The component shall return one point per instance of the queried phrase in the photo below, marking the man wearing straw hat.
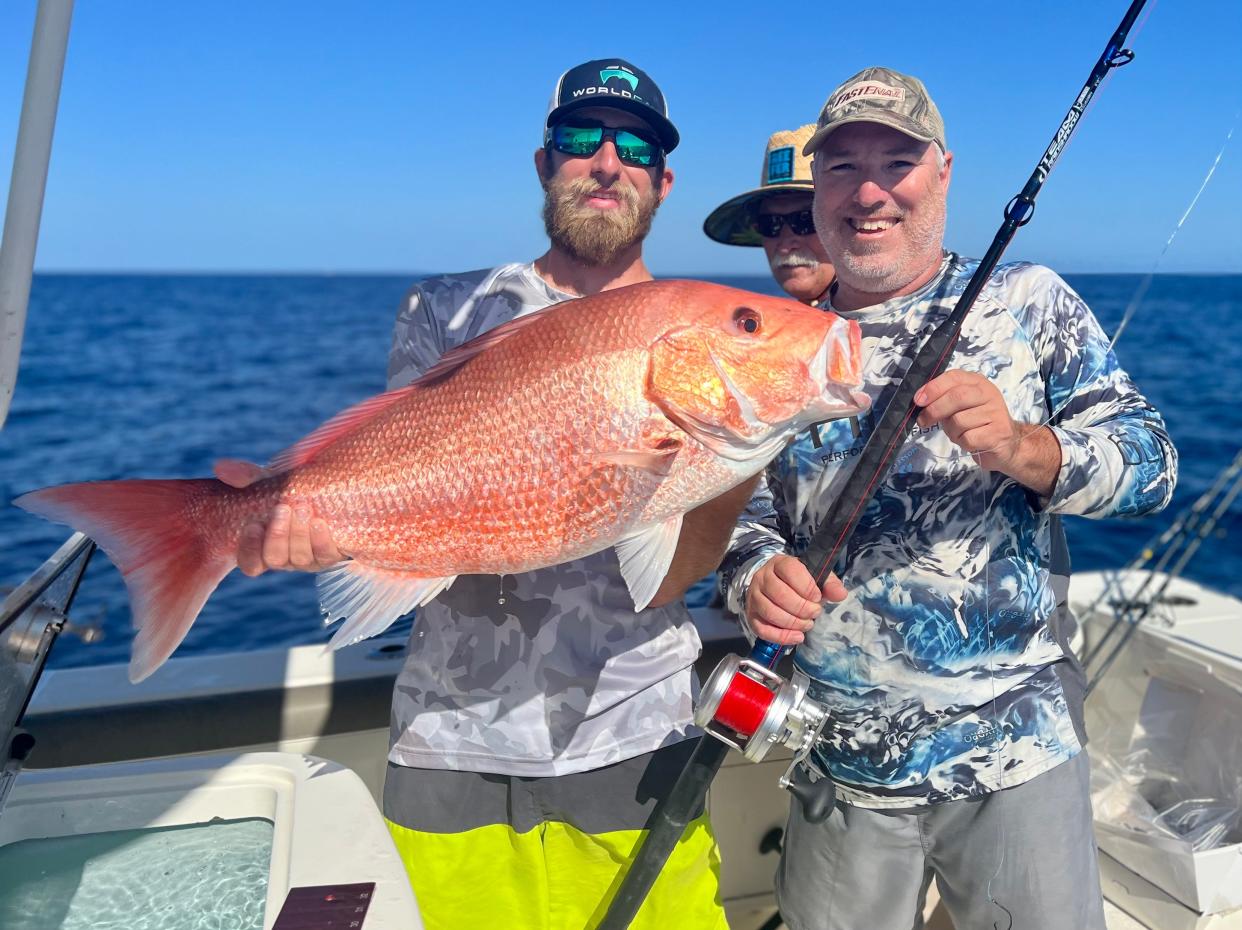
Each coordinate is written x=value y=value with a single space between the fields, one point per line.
x=777 y=216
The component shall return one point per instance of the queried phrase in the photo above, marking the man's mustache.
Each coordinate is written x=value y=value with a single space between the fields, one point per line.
x=798 y=258
x=585 y=187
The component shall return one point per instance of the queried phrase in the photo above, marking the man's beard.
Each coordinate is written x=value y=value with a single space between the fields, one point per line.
x=590 y=236
x=864 y=271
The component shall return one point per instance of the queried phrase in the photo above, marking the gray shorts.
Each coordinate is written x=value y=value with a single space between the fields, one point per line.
x=1019 y=859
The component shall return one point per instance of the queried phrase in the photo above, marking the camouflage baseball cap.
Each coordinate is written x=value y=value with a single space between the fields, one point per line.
x=880 y=95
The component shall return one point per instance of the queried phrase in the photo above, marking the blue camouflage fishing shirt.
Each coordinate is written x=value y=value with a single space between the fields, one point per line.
x=943 y=669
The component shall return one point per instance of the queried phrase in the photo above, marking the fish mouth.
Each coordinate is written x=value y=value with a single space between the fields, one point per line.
x=839 y=393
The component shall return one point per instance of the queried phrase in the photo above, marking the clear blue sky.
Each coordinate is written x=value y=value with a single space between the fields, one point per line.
x=397 y=136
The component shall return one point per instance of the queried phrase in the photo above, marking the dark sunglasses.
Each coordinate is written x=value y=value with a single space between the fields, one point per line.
x=801 y=223
x=583 y=137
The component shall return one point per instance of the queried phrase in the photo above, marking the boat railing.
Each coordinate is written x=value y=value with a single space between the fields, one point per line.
x=32 y=616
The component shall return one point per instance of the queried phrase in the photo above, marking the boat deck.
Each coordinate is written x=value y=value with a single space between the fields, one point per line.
x=336 y=706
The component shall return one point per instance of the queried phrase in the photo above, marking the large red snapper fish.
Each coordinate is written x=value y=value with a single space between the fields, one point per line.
x=597 y=422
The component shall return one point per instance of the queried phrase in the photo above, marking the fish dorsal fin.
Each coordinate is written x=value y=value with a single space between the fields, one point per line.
x=343 y=423
x=457 y=356
x=349 y=420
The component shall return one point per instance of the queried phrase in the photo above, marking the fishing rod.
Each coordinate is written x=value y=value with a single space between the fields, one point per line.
x=1166 y=543
x=1133 y=612
x=746 y=705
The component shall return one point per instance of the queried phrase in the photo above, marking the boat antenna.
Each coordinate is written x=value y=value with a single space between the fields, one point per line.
x=671 y=817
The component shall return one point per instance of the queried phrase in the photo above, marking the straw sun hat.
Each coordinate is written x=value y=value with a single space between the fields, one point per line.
x=785 y=170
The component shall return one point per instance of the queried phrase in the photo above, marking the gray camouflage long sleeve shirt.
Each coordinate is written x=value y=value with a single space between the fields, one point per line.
x=544 y=673
x=943 y=669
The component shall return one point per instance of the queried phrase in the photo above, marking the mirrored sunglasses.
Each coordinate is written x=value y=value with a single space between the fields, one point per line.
x=582 y=138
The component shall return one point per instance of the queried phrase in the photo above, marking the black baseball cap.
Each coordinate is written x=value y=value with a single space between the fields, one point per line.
x=612 y=82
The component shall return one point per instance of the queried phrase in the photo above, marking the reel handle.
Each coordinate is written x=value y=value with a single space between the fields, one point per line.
x=817 y=798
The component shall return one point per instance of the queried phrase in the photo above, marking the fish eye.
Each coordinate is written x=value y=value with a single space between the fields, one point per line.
x=746 y=320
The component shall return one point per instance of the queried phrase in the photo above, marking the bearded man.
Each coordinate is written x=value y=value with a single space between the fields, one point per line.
x=538 y=718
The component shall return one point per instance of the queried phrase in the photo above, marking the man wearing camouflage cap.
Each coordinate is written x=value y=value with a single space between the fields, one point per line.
x=777 y=216
x=955 y=703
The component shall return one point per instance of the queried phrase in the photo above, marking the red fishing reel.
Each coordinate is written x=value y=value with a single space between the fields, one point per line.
x=751 y=708
x=746 y=705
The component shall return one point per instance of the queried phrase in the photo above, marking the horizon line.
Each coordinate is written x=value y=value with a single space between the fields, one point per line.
x=416 y=275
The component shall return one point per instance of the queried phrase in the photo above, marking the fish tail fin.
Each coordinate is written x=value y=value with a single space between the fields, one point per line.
x=154 y=533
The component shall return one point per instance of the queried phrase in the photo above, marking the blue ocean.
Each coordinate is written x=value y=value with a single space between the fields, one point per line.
x=158 y=375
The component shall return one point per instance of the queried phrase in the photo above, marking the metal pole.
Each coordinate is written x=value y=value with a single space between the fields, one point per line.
x=30 y=160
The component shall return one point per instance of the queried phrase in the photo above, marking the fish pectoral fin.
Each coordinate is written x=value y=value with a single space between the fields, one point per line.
x=657 y=461
x=645 y=558
x=371 y=598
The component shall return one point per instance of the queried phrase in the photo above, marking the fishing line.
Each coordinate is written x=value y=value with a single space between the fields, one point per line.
x=1141 y=291
x=1136 y=300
